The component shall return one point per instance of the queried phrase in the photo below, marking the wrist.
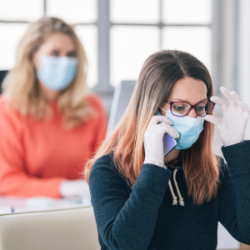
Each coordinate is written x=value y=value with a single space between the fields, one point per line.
x=155 y=162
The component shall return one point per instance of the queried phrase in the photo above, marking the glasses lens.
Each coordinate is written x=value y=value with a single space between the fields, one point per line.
x=204 y=108
x=180 y=108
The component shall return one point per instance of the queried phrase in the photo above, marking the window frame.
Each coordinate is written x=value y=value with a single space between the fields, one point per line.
x=103 y=24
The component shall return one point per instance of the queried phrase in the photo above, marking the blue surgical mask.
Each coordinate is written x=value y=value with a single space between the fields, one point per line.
x=56 y=73
x=188 y=128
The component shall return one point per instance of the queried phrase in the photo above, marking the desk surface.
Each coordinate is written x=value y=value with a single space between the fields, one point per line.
x=13 y=204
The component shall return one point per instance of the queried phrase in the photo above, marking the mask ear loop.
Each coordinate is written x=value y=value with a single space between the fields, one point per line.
x=34 y=68
x=163 y=109
x=32 y=61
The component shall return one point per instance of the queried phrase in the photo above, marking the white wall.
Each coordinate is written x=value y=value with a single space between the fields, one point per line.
x=244 y=54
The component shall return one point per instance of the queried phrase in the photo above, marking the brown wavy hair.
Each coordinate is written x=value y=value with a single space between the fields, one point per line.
x=158 y=75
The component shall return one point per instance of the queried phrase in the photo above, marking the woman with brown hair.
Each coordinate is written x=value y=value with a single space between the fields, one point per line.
x=143 y=200
x=49 y=125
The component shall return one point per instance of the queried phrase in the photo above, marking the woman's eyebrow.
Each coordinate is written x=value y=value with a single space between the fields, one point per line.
x=187 y=101
x=72 y=53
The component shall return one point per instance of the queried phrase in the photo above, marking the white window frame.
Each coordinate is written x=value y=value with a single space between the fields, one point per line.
x=223 y=63
x=103 y=87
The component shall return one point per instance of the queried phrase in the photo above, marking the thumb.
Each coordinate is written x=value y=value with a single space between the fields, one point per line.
x=213 y=119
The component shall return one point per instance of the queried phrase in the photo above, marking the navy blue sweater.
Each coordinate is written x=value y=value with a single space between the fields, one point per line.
x=143 y=217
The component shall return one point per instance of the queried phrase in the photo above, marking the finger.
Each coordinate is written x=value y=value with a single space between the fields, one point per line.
x=213 y=119
x=160 y=119
x=235 y=96
x=164 y=128
x=239 y=106
x=233 y=103
x=244 y=107
x=230 y=99
x=223 y=104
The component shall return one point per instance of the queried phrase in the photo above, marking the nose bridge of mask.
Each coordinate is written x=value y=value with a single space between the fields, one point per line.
x=62 y=61
x=185 y=119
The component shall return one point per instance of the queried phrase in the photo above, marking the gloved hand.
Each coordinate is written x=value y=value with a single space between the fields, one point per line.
x=76 y=188
x=231 y=127
x=153 y=139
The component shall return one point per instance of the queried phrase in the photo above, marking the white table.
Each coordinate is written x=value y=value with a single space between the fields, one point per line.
x=14 y=204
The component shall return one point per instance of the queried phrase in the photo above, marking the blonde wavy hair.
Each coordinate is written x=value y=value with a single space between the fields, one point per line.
x=21 y=88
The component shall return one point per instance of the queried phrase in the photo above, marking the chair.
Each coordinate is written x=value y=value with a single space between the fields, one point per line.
x=63 y=229
x=3 y=73
x=122 y=95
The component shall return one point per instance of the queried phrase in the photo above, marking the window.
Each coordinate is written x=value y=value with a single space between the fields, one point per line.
x=15 y=16
x=141 y=27
x=118 y=35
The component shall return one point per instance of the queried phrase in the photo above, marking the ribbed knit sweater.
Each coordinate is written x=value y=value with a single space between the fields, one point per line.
x=142 y=216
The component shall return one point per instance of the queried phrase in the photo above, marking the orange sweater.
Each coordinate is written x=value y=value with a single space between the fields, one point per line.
x=36 y=156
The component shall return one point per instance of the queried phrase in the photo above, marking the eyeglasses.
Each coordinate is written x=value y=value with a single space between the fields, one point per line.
x=181 y=109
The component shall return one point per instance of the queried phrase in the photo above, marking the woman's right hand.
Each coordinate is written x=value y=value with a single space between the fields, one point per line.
x=153 y=139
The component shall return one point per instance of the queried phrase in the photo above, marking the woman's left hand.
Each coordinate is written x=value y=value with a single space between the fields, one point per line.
x=231 y=127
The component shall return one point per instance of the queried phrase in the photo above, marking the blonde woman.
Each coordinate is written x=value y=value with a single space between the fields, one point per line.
x=49 y=125
x=143 y=200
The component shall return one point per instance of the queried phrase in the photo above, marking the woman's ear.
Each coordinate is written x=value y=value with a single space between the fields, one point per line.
x=35 y=61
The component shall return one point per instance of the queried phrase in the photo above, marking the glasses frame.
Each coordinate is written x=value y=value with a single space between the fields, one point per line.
x=191 y=107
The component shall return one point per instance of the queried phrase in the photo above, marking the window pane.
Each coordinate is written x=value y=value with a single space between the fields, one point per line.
x=73 y=11
x=130 y=46
x=134 y=11
x=88 y=37
x=183 y=11
x=194 y=40
x=29 y=10
x=10 y=35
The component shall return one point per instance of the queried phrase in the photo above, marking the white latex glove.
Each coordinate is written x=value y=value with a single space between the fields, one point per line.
x=153 y=139
x=76 y=188
x=231 y=127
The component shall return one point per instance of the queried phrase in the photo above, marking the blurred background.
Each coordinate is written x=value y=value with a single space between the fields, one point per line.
x=119 y=35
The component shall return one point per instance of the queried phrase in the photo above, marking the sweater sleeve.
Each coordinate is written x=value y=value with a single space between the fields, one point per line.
x=235 y=195
x=14 y=180
x=127 y=221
